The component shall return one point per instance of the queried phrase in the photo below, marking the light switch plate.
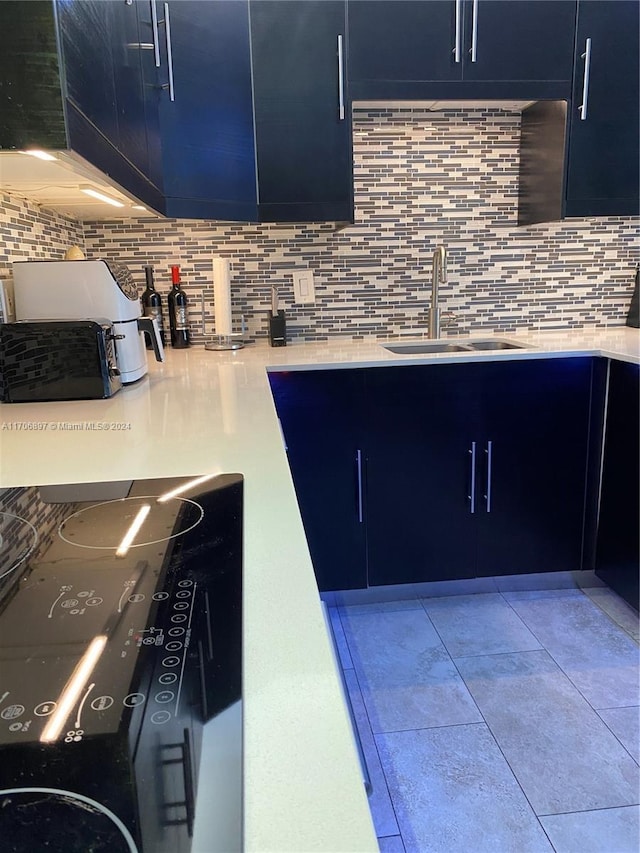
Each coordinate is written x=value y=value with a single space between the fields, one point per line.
x=303 y=286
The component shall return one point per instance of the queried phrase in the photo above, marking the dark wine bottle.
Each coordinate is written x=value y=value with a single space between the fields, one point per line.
x=152 y=305
x=180 y=337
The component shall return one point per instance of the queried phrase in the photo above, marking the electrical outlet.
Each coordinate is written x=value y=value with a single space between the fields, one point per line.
x=303 y=286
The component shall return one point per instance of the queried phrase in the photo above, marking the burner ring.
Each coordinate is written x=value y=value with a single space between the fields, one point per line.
x=152 y=499
x=4 y=543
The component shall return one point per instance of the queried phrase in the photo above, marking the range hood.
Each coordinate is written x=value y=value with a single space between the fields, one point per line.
x=63 y=184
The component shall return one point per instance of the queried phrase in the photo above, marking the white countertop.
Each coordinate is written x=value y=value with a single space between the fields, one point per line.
x=205 y=411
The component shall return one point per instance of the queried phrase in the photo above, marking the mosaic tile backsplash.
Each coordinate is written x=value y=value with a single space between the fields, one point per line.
x=421 y=179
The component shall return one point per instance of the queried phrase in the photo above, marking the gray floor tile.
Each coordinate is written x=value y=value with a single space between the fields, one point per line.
x=391 y=844
x=603 y=831
x=559 y=749
x=341 y=640
x=407 y=678
x=599 y=658
x=625 y=724
x=381 y=606
x=453 y=791
x=479 y=624
x=384 y=818
x=617 y=608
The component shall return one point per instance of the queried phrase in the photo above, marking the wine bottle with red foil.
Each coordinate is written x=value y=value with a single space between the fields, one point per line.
x=152 y=305
x=180 y=337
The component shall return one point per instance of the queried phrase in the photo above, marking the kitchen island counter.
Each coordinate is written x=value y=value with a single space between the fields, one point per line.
x=201 y=412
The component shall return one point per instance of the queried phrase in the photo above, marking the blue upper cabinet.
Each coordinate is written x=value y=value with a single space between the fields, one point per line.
x=302 y=123
x=205 y=108
x=604 y=150
x=411 y=49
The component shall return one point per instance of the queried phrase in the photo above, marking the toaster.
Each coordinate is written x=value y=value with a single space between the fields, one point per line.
x=57 y=360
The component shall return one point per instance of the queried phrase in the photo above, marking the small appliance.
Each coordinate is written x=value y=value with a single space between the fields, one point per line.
x=120 y=636
x=57 y=360
x=81 y=290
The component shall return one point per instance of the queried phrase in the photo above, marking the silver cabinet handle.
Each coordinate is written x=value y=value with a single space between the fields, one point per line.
x=489 y=454
x=456 y=50
x=585 y=81
x=340 y=79
x=154 y=30
x=474 y=31
x=167 y=31
x=359 y=468
x=472 y=496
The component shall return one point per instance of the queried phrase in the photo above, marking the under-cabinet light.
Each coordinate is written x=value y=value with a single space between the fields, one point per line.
x=138 y=207
x=41 y=155
x=101 y=197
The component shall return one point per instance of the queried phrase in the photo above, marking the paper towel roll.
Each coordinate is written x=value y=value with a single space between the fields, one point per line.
x=222 y=295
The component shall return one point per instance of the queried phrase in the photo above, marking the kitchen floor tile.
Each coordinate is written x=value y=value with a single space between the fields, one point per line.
x=617 y=608
x=602 y=831
x=625 y=724
x=407 y=678
x=391 y=844
x=453 y=791
x=384 y=818
x=382 y=606
x=599 y=658
x=559 y=749
x=479 y=624
x=341 y=641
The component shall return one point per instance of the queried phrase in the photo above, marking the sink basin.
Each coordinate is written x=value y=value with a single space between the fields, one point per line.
x=416 y=349
x=479 y=345
x=467 y=345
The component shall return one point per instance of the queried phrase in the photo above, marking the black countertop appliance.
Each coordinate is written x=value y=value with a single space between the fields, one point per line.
x=120 y=635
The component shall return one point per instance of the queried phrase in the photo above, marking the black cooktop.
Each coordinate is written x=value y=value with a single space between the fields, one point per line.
x=120 y=609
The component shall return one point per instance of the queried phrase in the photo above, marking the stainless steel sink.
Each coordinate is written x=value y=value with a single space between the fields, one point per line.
x=480 y=345
x=466 y=345
x=418 y=348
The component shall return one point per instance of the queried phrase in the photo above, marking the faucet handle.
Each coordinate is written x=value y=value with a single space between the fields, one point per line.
x=449 y=318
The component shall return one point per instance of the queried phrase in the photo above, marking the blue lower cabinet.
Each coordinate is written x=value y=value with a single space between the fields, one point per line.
x=532 y=465
x=421 y=518
x=618 y=539
x=320 y=413
x=439 y=472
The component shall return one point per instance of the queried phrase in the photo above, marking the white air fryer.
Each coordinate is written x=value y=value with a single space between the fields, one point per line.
x=84 y=290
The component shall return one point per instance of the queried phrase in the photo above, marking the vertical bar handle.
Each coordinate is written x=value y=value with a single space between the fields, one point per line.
x=474 y=32
x=167 y=30
x=457 y=48
x=489 y=454
x=585 y=80
x=359 y=469
x=154 y=30
x=341 y=112
x=472 y=496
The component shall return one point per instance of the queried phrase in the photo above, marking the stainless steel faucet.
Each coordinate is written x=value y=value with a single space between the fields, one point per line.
x=438 y=274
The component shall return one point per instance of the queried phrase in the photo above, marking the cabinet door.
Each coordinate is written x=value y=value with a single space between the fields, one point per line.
x=618 y=548
x=604 y=150
x=532 y=465
x=302 y=136
x=519 y=40
x=85 y=32
x=127 y=50
x=394 y=40
x=207 y=129
x=319 y=411
x=421 y=425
